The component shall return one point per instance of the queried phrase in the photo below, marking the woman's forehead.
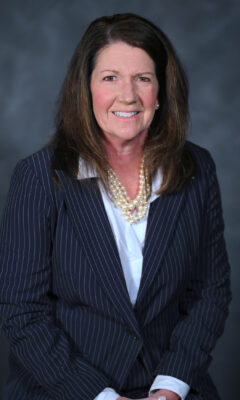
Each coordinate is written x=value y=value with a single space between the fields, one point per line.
x=122 y=55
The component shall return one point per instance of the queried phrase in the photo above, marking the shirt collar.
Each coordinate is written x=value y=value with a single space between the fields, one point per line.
x=85 y=172
x=156 y=183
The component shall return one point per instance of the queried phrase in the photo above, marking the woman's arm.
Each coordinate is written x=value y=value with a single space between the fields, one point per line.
x=204 y=306
x=25 y=307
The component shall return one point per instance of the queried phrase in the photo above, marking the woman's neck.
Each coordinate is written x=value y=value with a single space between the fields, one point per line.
x=124 y=153
x=125 y=159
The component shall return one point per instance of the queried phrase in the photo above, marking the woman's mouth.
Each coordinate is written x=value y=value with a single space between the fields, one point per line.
x=125 y=114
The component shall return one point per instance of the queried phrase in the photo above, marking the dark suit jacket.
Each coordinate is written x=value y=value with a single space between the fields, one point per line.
x=64 y=303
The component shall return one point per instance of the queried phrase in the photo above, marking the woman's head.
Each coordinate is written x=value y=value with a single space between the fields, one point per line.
x=124 y=91
x=77 y=127
x=129 y=28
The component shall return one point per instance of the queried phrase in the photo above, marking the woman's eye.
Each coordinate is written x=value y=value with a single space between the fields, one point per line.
x=109 y=78
x=144 y=79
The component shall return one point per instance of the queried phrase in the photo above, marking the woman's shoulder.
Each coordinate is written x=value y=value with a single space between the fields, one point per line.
x=36 y=168
x=202 y=157
x=40 y=160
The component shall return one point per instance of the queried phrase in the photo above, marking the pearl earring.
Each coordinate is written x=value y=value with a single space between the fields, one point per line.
x=157 y=106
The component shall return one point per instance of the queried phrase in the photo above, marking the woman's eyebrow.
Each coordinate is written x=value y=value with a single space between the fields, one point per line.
x=145 y=73
x=117 y=72
x=110 y=70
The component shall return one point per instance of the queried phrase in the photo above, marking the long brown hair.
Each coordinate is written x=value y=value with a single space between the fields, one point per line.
x=77 y=132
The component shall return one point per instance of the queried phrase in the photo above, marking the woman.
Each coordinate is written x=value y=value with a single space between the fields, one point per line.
x=114 y=273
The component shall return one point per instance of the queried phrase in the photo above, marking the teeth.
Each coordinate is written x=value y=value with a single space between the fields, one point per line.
x=125 y=114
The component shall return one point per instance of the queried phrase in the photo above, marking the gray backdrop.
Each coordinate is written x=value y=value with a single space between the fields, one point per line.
x=37 y=40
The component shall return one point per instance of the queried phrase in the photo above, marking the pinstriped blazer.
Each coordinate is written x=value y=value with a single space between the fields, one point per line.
x=64 y=303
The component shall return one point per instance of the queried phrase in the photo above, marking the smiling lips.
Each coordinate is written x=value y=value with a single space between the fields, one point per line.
x=125 y=114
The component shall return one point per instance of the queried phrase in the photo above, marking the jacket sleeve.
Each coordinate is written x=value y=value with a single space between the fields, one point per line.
x=26 y=310
x=204 y=305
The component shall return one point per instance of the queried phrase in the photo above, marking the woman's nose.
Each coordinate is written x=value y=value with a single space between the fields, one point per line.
x=128 y=93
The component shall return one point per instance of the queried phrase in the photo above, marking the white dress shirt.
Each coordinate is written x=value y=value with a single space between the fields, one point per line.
x=130 y=241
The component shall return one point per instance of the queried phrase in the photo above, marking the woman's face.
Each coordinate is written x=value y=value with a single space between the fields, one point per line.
x=124 y=90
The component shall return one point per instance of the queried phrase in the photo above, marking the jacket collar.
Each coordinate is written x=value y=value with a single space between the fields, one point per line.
x=89 y=219
x=162 y=222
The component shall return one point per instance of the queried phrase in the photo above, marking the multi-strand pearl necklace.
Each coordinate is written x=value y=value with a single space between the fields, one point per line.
x=132 y=210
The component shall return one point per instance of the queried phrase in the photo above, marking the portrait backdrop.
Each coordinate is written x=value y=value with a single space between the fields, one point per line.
x=37 y=41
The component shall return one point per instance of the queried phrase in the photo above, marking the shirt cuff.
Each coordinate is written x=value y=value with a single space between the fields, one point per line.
x=170 y=383
x=107 y=394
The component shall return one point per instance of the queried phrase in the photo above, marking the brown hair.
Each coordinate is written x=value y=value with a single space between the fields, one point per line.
x=77 y=132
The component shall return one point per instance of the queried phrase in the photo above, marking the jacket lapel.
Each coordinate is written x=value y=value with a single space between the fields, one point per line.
x=87 y=213
x=162 y=221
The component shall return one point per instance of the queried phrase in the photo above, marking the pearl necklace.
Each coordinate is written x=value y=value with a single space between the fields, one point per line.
x=132 y=210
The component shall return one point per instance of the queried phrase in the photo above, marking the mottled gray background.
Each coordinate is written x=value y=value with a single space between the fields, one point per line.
x=37 y=40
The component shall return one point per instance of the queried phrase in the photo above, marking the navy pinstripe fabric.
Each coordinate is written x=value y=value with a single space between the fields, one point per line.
x=64 y=303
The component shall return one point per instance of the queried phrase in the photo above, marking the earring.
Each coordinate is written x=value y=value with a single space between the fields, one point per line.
x=157 y=106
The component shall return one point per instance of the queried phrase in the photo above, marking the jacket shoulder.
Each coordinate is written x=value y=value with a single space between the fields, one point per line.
x=203 y=159
x=40 y=161
x=38 y=166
